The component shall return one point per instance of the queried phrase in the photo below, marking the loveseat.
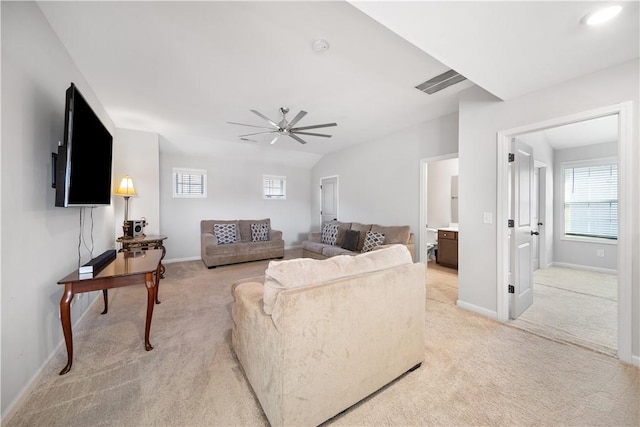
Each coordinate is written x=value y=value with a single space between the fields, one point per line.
x=315 y=336
x=232 y=241
x=351 y=238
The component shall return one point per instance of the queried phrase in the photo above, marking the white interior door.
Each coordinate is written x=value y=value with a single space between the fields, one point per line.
x=328 y=199
x=521 y=251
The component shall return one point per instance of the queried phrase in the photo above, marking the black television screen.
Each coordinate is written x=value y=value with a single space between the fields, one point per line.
x=83 y=166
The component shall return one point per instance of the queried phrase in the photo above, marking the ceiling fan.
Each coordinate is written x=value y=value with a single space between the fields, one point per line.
x=284 y=127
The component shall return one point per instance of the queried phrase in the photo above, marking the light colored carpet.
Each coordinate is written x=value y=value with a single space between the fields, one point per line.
x=575 y=306
x=476 y=371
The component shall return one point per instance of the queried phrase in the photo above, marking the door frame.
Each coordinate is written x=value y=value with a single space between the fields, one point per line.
x=337 y=196
x=625 y=200
x=542 y=213
x=424 y=168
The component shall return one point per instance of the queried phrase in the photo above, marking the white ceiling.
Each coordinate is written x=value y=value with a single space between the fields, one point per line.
x=183 y=69
x=594 y=131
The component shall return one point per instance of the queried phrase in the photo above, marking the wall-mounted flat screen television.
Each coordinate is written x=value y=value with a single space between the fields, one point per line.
x=83 y=165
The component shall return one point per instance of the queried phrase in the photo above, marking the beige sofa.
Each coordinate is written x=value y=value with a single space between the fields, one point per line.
x=314 y=247
x=316 y=336
x=215 y=253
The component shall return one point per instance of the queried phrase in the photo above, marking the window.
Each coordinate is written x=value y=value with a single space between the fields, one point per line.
x=274 y=187
x=591 y=199
x=189 y=183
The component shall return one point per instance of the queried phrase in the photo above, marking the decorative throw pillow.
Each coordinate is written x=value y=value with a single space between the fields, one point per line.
x=330 y=233
x=372 y=240
x=351 y=240
x=225 y=233
x=259 y=232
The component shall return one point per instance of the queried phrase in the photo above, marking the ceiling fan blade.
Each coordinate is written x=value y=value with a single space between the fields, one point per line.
x=259 y=114
x=244 y=124
x=312 y=134
x=325 y=125
x=275 y=138
x=248 y=140
x=297 y=118
x=300 y=140
x=257 y=133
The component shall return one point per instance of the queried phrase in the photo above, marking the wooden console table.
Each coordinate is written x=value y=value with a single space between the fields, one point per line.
x=128 y=268
x=144 y=242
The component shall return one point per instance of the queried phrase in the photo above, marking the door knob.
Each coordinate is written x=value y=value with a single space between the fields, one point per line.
x=534 y=233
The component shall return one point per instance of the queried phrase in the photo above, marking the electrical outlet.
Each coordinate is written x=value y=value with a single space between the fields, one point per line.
x=600 y=252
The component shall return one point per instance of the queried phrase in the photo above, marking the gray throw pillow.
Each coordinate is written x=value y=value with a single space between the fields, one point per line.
x=351 y=240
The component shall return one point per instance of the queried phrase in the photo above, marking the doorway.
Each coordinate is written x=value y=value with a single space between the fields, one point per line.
x=328 y=199
x=438 y=200
x=624 y=164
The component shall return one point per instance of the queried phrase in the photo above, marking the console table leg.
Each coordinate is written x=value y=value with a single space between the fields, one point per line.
x=105 y=296
x=157 y=276
x=151 y=296
x=65 y=318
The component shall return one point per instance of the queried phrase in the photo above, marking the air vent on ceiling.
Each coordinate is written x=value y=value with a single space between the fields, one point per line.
x=441 y=81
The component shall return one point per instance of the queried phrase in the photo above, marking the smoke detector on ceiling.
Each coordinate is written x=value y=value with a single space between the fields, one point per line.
x=320 y=45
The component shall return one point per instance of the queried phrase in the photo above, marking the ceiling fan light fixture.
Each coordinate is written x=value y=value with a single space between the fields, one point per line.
x=603 y=15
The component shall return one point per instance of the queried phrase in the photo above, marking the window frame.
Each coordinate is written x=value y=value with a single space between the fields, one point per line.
x=281 y=178
x=188 y=171
x=604 y=161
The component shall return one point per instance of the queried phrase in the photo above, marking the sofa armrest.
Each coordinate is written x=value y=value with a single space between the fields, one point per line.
x=208 y=239
x=315 y=236
x=275 y=234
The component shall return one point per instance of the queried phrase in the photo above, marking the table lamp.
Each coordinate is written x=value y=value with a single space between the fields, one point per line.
x=127 y=190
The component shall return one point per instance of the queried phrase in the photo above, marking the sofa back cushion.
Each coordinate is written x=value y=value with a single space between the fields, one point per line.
x=394 y=234
x=301 y=272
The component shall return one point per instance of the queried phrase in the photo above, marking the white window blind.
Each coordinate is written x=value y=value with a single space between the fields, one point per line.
x=189 y=183
x=591 y=200
x=274 y=187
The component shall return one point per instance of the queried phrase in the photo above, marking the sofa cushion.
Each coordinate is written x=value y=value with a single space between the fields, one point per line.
x=315 y=247
x=351 y=239
x=330 y=233
x=372 y=240
x=362 y=228
x=301 y=272
x=329 y=251
x=394 y=234
x=259 y=232
x=225 y=233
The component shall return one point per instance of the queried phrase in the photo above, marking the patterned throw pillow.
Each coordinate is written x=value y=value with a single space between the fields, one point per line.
x=330 y=233
x=259 y=232
x=372 y=240
x=225 y=233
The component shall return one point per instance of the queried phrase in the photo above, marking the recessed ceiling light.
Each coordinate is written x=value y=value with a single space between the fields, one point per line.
x=603 y=15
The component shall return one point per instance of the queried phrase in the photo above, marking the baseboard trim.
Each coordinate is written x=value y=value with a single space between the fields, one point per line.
x=583 y=267
x=635 y=360
x=477 y=309
x=171 y=261
x=8 y=414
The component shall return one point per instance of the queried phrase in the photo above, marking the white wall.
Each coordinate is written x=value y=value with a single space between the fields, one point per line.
x=39 y=241
x=481 y=117
x=137 y=154
x=379 y=181
x=574 y=253
x=439 y=173
x=234 y=189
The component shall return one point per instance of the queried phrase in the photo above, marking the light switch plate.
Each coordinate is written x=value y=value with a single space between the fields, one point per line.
x=487 y=217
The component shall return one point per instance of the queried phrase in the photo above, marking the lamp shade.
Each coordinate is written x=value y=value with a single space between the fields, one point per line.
x=126 y=187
